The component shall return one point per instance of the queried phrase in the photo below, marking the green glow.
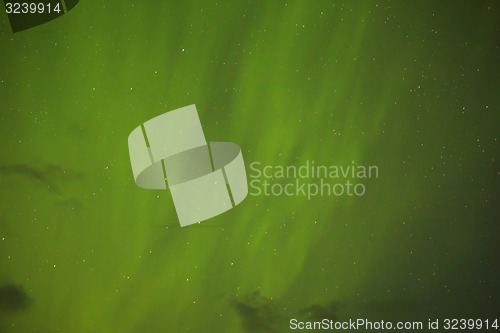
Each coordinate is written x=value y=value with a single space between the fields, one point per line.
x=409 y=87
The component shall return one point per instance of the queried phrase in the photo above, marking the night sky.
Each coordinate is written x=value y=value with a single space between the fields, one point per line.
x=410 y=87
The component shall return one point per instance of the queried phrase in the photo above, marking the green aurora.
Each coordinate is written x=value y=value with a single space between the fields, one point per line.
x=410 y=87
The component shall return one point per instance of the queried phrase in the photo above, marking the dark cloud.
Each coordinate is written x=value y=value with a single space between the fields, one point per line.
x=260 y=314
x=48 y=176
x=257 y=313
x=13 y=298
x=36 y=175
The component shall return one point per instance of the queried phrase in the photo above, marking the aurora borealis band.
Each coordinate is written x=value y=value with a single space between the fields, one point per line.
x=410 y=87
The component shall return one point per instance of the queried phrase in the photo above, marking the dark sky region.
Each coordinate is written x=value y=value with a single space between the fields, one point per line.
x=411 y=87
